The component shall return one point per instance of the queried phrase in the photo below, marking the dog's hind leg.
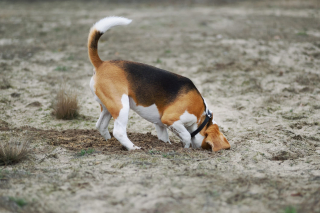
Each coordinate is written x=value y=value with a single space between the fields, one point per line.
x=103 y=122
x=162 y=133
x=120 y=124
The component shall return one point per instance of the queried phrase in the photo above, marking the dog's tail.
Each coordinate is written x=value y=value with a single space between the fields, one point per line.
x=97 y=31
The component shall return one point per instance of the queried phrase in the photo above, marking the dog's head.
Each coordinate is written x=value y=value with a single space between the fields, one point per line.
x=214 y=139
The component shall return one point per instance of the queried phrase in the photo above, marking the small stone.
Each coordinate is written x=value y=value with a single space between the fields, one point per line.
x=15 y=95
x=34 y=104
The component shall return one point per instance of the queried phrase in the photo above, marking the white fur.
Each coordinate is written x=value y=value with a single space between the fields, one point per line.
x=120 y=124
x=205 y=103
x=197 y=141
x=103 y=122
x=149 y=113
x=92 y=86
x=179 y=129
x=213 y=121
x=105 y=116
x=106 y=23
x=93 y=90
x=188 y=119
x=162 y=133
x=183 y=127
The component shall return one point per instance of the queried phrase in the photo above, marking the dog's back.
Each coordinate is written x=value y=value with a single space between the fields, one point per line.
x=151 y=85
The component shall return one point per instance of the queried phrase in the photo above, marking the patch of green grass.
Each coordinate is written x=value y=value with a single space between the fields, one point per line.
x=61 y=68
x=90 y=151
x=164 y=155
x=19 y=201
x=70 y=57
x=153 y=152
x=302 y=33
x=289 y=209
x=84 y=152
x=212 y=193
x=158 y=61
x=294 y=116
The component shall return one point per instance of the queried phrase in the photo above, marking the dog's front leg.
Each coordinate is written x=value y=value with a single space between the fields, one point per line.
x=162 y=133
x=120 y=125
x=103 y=122
x=179 y=129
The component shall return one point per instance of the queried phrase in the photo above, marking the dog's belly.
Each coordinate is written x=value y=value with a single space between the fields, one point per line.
x=149 y=113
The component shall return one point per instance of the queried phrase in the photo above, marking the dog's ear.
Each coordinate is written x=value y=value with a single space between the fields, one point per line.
x=214 y=139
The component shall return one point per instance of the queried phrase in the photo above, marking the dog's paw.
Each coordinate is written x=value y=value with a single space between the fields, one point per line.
x=105 y=134
x=134 y=148
x=187 y=145
x=165 y=140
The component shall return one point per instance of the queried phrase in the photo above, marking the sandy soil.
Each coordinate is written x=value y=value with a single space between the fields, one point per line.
x=256 y=65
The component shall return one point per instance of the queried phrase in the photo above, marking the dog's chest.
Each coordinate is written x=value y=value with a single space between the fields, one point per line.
x=149 y=113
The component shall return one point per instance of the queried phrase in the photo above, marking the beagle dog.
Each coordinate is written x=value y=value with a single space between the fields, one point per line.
x=168 y=100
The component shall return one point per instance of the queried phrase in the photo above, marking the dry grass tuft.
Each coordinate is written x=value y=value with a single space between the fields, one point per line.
x=66 y=105
x=5 y=84
x=13 y=151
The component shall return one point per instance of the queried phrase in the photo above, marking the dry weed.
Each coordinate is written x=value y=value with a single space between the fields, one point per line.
x=5 y=84
x=66 y=105
x=13 y=151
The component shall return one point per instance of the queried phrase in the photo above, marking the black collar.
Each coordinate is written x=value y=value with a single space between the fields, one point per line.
x=208 y=116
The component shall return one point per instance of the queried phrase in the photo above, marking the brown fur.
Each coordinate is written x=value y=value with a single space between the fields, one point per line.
x=192 y=102
x=110 y=84
x=93 y=38
x=214 y=139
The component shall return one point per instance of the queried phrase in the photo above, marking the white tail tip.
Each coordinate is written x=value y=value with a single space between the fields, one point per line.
x=106 y=23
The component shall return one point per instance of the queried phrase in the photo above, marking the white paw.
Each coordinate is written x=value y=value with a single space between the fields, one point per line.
x=106 y=135
x=187 y=145
x=134 y=148
x=168 y=141
x=165 y=140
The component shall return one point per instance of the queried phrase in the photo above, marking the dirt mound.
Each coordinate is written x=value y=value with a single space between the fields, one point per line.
x=78 y=139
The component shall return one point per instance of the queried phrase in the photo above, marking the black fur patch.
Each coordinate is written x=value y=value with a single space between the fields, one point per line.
x=153 y=85
x=95 y=39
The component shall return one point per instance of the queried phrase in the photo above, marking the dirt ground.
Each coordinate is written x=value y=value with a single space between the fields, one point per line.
x=256 y=64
